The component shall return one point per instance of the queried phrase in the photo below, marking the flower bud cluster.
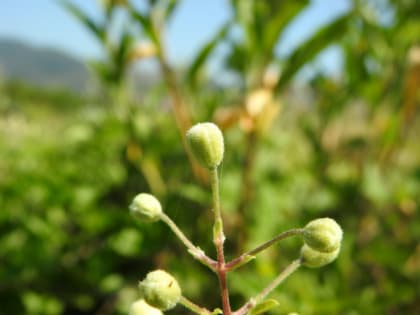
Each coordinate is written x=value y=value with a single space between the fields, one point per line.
x=160 y=291
x=322 y=242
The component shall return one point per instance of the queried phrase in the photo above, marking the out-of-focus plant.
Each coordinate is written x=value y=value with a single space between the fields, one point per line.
x=149 y=44
x=111 y=70
x=363 y=160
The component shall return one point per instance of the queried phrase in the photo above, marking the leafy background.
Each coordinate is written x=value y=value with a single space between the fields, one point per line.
x=345 y=147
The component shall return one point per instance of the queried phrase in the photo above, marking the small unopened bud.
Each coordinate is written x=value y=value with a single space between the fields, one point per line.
x=140 y=307
x=315 y=259
x=160 y=290
x=206 y=143
x=146 y=207
x=323 y=235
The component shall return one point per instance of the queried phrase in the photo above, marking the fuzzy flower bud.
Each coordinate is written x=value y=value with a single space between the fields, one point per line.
x=146 y=207
x=323 y=235
x=206 y=143
x=140 y=307
x=160 y=290
x=315 y=259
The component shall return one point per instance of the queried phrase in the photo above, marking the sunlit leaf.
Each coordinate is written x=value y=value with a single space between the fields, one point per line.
x=171 y=8
x=96 y=29
x=279 y=19
x=312 y=47
x=204 y=54
x=123 y=48
x=145 y=22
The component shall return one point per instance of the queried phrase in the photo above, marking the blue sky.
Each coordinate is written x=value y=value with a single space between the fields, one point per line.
x=45 y=23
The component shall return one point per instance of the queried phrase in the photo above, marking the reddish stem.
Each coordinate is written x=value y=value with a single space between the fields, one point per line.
x=218 y=240
x=222 y=275
x=225 y=293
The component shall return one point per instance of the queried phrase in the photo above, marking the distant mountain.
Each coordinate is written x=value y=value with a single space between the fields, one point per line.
x=45 y=67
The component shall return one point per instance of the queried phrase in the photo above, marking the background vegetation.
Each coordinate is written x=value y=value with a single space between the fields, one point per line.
x=345 y=147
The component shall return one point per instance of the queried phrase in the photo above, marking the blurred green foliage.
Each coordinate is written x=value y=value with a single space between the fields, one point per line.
x=349 y=150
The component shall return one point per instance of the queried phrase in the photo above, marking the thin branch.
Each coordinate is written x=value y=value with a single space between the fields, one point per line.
x=219 y=239
x=239 y=260
x=194 y=307
x=195 y=251
x=292 y=267
x=218 y=235
x=252 y=302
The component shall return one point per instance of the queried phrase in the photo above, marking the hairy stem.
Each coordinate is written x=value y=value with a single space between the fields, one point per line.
x=222 y=275
x=278 y=280
x=239 y=260
x=292 y=267
x=218 y=235
x=194 y=307
x=195 y=251
x=219 y=239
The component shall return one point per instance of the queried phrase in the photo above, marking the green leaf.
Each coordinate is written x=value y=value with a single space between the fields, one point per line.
x=152 y=3
x=264 y=306
x=279 y=21
x=123 y=48
x=108 y=8
x=237 y=59
x=170 y=9
x=96 y=29
x=245 y=14
x=217 y=311
x=204 y=53
x=312 y=47
x=146 y=23
x=103 y=69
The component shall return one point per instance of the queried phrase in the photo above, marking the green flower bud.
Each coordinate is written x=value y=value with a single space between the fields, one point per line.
x=160 y=290
x=206 y=143
x=314 y=259
x=323 y=235
x=140 y=307
x=146 y=207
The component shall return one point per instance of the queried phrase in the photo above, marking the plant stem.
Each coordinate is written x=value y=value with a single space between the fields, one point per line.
x=195 y=251
x=219 y=239
x=194 y=307
x=292 y=267
x=238 y=261
x=222 y=275
x=181 y=113
x=278 y=280
x=218 y=235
